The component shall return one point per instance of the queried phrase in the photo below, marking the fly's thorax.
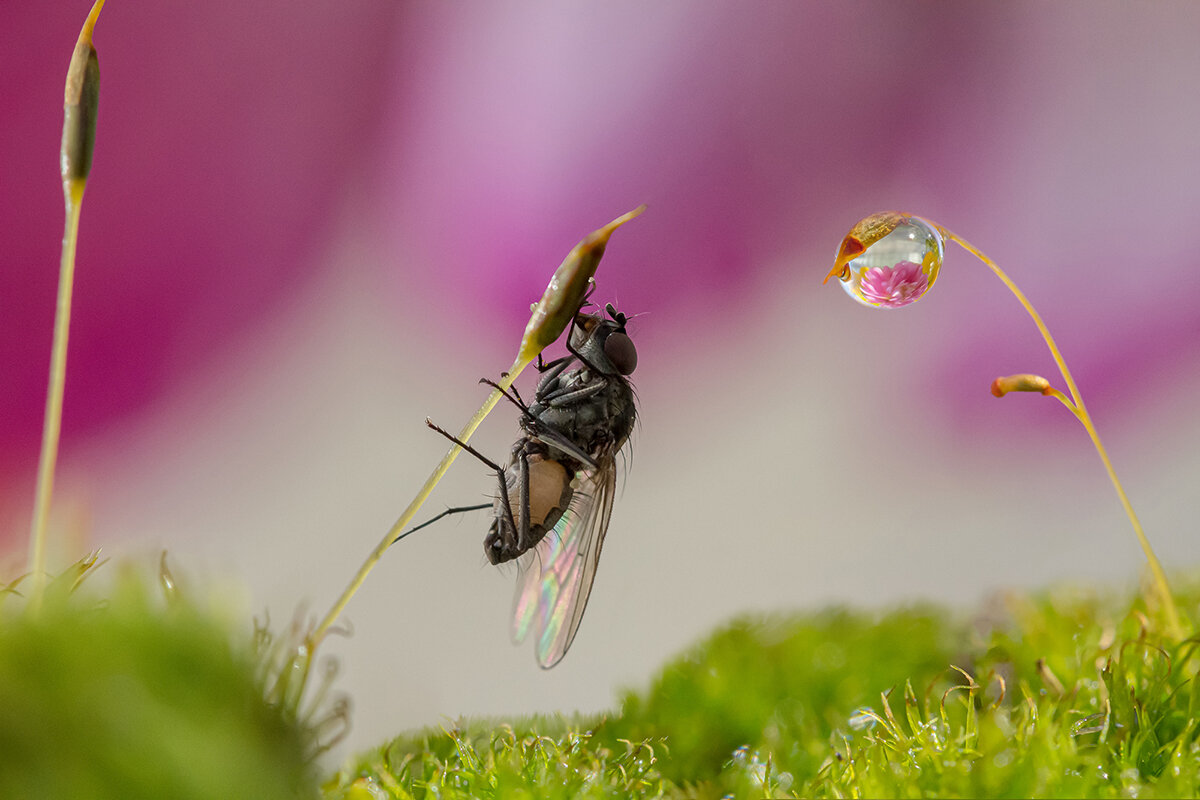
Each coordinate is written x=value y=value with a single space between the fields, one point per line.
x=600 y=422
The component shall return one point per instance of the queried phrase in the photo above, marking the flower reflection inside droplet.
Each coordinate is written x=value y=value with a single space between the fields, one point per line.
x=895 y=269
x=894 y=286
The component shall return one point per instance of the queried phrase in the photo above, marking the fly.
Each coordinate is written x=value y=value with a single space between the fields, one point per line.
x=554 y=498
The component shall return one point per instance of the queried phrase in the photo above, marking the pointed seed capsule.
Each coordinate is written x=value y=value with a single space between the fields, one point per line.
x=566 y=290
x=80 y=103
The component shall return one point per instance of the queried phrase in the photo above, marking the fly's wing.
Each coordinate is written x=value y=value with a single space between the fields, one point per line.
x=552 y=591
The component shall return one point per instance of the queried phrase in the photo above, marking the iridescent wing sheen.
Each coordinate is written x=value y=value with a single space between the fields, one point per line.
x=556 y=578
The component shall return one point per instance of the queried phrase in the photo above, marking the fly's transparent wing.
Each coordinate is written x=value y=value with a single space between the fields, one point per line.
x=553 y=589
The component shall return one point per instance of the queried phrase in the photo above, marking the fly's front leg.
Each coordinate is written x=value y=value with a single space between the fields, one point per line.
x=558 y=363
x=553 y=370
x=582 y=359
x=508 y=512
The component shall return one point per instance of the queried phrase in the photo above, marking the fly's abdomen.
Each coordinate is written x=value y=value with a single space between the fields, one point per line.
x=549 y=495
x=549 y=492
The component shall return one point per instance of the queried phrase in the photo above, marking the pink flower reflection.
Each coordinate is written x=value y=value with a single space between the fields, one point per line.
x=893 y=287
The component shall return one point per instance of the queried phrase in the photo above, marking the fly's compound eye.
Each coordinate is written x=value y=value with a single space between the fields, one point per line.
x=619 y=349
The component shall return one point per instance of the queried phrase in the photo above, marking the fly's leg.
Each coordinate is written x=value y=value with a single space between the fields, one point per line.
x=511 y=394
x=446 y=513
x=582 y=360
x=544 y=433
x=517 y=395
x=499 y=471
x=511 y=389
x=557 y=363
x=566 y=398
x=553 y=370
x=523 y=542
x=553 y=399
x=464 y=445
x=542 y=366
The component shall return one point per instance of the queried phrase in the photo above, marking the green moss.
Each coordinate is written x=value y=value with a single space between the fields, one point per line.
x=132 y=698
x=1061 y=695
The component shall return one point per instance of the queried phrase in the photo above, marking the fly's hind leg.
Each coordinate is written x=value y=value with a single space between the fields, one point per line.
x=499 y=474
x=448 y=512
x=523 y=537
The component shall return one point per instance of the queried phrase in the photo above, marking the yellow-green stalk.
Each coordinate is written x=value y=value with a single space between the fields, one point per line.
x=82 y=97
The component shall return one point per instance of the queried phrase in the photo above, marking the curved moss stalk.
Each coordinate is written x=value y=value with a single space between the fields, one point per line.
x=1076 y=406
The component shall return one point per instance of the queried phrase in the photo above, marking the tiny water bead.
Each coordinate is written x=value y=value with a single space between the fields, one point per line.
x=889 y=260
x=863 y=717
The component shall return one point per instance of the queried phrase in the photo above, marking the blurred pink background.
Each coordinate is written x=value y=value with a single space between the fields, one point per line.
x=308 y=227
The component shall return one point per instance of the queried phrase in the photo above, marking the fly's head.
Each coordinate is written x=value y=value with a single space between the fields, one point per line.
x=603 y=341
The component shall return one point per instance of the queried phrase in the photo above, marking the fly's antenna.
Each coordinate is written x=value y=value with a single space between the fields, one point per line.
x=617 y=316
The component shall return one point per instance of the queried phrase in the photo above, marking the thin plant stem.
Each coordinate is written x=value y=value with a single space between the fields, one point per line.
x=1080 y=411
x=318 y=633
x=52 y=425
x=81 y=99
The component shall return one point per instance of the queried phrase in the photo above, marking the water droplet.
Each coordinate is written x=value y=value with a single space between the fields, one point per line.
x=863 y=717
x=889 y=260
